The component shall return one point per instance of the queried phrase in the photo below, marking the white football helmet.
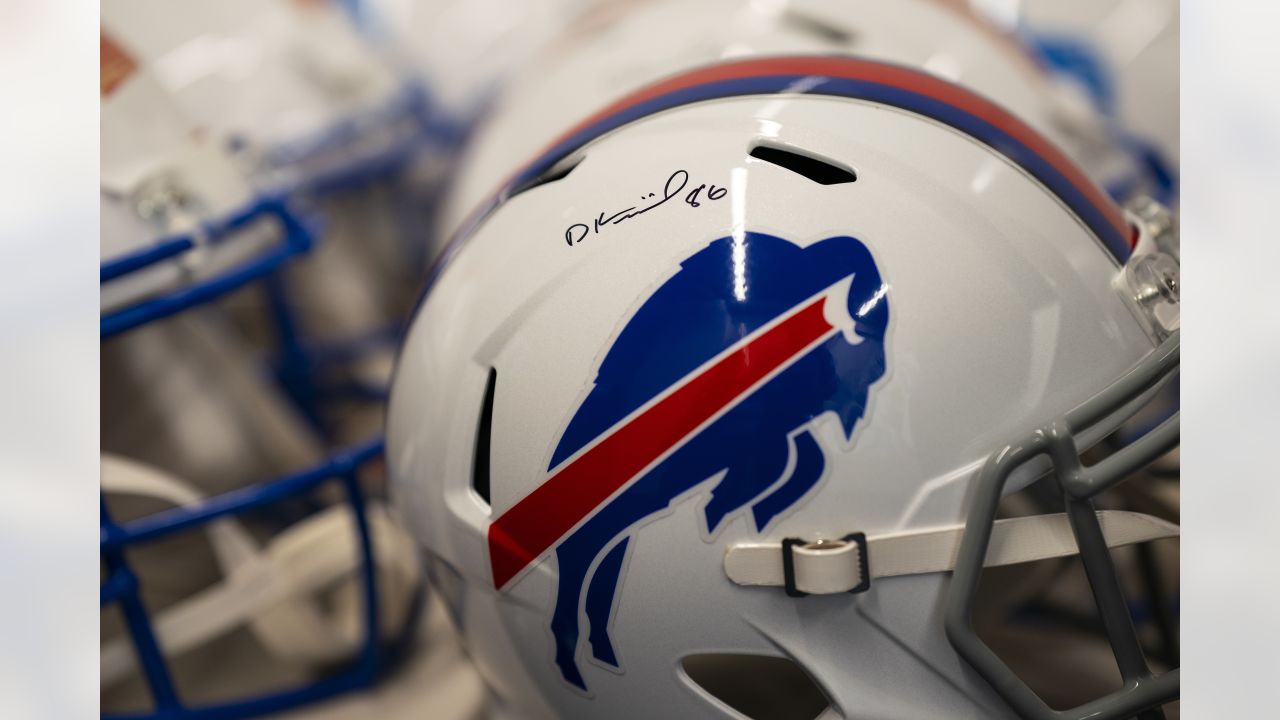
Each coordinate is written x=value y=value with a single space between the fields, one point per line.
x=308 y=107
x=714 y=399
x=293 y=84
x=1120 y=54
x=199 y=555
x=465 y=50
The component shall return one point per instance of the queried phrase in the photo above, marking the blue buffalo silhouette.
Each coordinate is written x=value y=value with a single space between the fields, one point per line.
x=720 y=295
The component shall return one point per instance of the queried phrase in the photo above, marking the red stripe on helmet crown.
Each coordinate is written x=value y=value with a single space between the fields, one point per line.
x=884 y=74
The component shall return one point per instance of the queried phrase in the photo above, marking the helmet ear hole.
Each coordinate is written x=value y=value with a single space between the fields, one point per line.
x=758 y=687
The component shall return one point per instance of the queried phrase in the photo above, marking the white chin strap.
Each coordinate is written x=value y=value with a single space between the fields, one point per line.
x=274 y=589
x=826 y=567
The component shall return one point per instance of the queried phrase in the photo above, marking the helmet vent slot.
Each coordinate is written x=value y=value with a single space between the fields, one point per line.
x=759 y=687
x=555 y=173
x=819 y=170
x=480 y=468
x=816 y=27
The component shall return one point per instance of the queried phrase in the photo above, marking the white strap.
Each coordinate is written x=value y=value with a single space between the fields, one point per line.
x=232 y=543
x=835 y=567
x=273 y=589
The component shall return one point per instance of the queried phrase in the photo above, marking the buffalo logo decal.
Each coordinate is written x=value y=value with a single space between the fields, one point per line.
x=719 y=376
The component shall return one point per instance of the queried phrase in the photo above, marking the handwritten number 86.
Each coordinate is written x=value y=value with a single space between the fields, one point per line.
x=674 y=186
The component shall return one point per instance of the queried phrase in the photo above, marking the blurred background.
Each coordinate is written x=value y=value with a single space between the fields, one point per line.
x=270 y=182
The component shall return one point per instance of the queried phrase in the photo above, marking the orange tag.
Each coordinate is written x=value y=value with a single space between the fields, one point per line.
x=116 y=65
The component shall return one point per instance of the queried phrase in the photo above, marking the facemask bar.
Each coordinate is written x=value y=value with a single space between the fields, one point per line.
x=122 y=586
x=299 y=362
x=351 y=154
x=296 y=238
x=1143 y=691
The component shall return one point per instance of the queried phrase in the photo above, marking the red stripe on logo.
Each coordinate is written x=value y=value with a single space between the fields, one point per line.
x=528 y=529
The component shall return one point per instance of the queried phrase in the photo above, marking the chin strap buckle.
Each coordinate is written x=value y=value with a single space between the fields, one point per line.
x=828 y=567
x=839 y=564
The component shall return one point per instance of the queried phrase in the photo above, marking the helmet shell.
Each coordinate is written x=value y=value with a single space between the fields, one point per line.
x=1001 y=316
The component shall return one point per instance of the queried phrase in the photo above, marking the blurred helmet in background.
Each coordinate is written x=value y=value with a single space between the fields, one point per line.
x=1119 y=55
x=466 y=51
x=223 y=594
x=309 y=107
x=709 y=408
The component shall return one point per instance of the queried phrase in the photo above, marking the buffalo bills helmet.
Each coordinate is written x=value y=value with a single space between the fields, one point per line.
x=1116 y=53
x=306 y=105
x=204 y=565
x=466 y=50
x=709 y=409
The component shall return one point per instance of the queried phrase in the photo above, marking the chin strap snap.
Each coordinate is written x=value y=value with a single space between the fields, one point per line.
x=825 y=567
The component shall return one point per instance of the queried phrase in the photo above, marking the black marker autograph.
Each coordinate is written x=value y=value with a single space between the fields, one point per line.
x=675 y=185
